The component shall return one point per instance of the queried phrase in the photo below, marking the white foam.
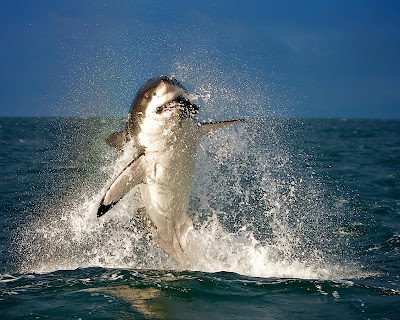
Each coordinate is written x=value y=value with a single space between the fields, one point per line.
x=256 y=212
x=253 y=213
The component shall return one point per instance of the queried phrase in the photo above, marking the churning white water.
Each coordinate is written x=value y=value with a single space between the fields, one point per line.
x=257 y=211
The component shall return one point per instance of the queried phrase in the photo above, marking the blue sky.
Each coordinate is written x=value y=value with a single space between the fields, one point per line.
x=254 y=58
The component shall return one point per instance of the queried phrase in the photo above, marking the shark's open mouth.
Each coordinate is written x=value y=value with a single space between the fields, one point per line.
x=188 y=109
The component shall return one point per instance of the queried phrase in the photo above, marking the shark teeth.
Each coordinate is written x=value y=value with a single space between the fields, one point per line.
x=187 y=108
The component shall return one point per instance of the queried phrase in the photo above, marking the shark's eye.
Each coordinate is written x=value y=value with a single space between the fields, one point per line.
x=159 y=110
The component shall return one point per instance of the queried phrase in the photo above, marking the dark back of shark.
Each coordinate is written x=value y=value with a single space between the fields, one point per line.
x=162 y=126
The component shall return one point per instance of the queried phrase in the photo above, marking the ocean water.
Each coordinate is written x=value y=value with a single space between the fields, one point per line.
x=295 y=219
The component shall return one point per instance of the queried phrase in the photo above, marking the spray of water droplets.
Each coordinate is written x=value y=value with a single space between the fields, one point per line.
x=257 y=209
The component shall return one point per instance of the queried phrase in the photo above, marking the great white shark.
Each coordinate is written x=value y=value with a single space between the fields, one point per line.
x=163 y=128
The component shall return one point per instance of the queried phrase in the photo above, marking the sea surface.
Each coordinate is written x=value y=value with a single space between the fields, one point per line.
x=295 y=219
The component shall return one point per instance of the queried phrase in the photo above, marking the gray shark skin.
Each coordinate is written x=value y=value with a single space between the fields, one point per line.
x=162 y=126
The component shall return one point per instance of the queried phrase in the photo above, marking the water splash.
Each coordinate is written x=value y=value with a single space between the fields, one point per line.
x=256 y=208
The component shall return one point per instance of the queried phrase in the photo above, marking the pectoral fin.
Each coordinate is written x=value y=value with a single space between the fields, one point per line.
x=131 y=176
x=116 y=140
x=212 y=126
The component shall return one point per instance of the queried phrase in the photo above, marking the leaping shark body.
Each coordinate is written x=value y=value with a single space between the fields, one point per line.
x=161 y=125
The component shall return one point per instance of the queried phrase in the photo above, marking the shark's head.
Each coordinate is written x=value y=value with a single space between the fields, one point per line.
x=161 y=98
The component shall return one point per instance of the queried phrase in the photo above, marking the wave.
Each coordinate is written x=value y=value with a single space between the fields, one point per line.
x=258 y=211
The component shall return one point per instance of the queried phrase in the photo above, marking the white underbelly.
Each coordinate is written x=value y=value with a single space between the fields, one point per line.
x=169 y=161
x=168 y=185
